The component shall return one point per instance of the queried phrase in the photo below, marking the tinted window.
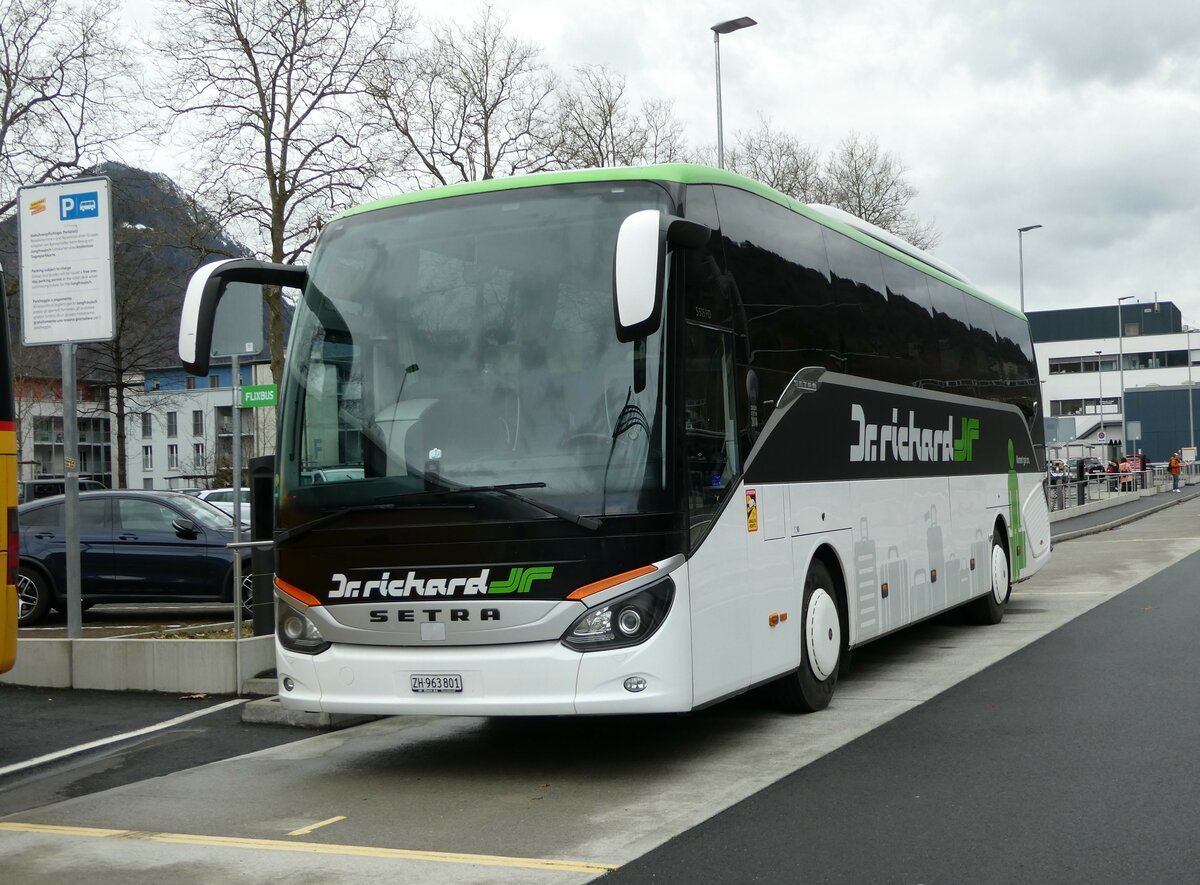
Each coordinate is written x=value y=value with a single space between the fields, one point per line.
x=862 y=331
x=50 y=515
x=142 y=515
x=1015 y=352
x=93 y=513
x=776 y=260
x=983 y=348
x=910 y=329
x=952 y=327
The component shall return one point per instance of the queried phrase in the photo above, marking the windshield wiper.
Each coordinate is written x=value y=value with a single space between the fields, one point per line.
x=334 y=515
x=507 y=489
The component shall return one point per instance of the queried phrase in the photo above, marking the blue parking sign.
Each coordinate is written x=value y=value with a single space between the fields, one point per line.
x=72 y=207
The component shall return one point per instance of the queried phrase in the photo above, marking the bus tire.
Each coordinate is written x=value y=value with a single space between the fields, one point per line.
x=989 y=608
x=809 y=688
x=33 y=596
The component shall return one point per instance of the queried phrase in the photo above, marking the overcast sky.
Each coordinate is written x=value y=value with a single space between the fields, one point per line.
x=1083 y=117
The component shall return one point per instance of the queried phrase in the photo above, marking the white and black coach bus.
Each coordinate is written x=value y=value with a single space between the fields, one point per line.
x=629 y=440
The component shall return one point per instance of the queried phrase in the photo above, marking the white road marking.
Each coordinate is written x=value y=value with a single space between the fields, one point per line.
x=149 y=729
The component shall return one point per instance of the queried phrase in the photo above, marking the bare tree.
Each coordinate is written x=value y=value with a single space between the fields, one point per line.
x=271 y=87
x=665 y=142
x=778 y=160
x=869 y=182
x=472 y=104
x=65 y=85
x=599 y=128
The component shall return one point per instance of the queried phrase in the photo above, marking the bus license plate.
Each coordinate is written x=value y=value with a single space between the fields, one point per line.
x=433 y=682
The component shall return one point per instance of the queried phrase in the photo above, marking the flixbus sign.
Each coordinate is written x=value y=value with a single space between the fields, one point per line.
x=259 y=395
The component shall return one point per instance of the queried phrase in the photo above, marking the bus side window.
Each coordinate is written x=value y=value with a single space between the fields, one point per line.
x=710 y=426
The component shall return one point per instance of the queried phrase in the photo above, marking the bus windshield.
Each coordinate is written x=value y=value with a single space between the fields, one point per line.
x=467 y=342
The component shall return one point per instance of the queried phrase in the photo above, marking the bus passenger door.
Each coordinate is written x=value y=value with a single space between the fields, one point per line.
x=720 y=590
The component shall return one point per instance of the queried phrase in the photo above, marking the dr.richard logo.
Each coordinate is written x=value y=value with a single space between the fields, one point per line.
x=908 y=441
x=519 y=580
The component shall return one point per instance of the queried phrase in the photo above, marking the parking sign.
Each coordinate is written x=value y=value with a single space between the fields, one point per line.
x=65 y=236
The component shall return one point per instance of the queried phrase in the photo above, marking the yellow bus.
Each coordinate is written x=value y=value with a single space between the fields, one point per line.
x=8 y=503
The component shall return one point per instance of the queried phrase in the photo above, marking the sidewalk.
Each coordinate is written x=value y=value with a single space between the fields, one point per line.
x=1119 y=514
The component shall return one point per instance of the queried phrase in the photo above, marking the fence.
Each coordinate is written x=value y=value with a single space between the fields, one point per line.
x=1105 y=486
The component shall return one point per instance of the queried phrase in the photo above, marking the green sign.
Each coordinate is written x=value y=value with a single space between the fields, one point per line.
x=259 y=395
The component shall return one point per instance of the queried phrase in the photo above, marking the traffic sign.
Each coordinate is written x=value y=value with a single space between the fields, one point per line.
x=258 y=395
x=65 y=241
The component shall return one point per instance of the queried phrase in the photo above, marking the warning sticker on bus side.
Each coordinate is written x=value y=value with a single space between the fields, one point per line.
x=751 y=510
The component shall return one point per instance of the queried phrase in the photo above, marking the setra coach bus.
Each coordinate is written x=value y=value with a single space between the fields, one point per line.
x=630 y=440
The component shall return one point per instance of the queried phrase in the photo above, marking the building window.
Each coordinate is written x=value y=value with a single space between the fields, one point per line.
x=198 y=455
x=189 y=383
x=172 y=457
x=147 y=457
x=214 y=381
x=148 y=483
x=147 y=426
x=197 y=422
x=172 y=424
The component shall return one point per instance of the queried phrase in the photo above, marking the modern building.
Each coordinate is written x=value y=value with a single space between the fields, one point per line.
x=1117 y=378
x=179 y=428
x=41 y=448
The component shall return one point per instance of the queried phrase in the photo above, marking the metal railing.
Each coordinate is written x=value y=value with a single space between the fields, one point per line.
x=1105 y=486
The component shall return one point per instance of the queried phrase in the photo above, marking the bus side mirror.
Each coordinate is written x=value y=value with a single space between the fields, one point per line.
x=204 y=292
x=639 y=268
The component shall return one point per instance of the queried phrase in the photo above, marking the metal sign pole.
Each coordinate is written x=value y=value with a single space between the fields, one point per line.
x=237 y=523
x=71 y=472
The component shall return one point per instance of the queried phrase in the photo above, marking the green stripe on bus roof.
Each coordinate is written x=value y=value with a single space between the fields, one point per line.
x=678 y=173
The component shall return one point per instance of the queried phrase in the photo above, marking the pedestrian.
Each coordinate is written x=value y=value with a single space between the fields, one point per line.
x=1112 y=474
x=1175 y=466
x=1126 y=474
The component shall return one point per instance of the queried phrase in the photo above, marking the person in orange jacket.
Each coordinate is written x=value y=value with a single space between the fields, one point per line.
x=1175 y=466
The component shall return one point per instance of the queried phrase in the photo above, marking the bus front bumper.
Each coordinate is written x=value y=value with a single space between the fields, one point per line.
x=531 y=679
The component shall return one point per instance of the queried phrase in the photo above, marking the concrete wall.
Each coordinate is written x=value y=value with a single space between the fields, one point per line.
x=186 y=666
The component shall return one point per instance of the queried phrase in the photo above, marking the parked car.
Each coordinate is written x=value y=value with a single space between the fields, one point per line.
x=134 y=546
x=223 y=499
x=329 y=474
x=48 y=486
x=1091 y=467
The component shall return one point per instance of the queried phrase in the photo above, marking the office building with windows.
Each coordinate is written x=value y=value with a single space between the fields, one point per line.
x=1117 y=378
x=179 y=428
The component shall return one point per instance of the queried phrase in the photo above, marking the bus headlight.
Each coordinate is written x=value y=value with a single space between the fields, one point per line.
x=297 y=633
x=626 y=620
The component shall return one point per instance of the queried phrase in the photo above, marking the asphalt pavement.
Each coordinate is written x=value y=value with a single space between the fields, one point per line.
x=1071 y=761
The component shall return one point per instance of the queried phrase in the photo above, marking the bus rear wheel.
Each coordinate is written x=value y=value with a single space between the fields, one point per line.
x=810 y=687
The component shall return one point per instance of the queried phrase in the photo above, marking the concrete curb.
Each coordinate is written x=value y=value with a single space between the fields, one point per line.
x=1123 y=520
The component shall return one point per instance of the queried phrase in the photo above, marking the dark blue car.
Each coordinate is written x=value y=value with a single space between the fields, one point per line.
x=134 y=546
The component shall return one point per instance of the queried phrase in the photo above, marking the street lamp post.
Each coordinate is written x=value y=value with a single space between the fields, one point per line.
x=1021 y=259
x=1191 y=419
x=726 y=27
x=1121 y=368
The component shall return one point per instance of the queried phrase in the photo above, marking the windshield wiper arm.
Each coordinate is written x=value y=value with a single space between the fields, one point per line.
x=507 y=489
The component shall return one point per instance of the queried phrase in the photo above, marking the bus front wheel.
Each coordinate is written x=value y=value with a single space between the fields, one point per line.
x=989 y=608
x=810 y=687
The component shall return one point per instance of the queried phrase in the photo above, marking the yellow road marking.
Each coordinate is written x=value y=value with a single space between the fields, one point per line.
x=486 y=860
x=304 y=831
